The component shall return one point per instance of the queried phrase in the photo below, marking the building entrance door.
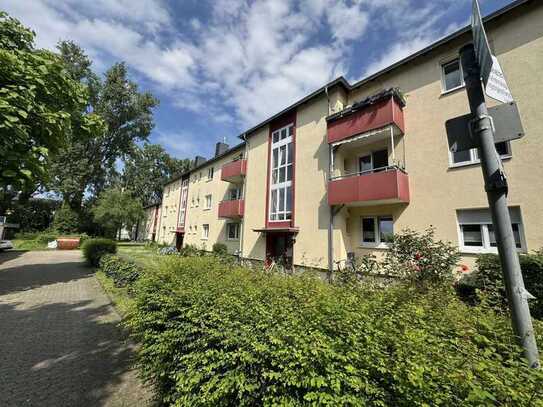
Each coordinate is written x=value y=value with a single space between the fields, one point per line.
x=279 y=248
x=179 y=240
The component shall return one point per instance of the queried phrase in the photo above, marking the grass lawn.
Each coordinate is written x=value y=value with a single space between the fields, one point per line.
x=143 y=255
x=21 y=244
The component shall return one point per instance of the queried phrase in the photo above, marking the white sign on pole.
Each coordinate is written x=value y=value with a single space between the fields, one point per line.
x=493 y=79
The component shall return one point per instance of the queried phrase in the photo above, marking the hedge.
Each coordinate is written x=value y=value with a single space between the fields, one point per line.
x=123 y=272
x=94 y=249
x=486 y=282
x=213 y=334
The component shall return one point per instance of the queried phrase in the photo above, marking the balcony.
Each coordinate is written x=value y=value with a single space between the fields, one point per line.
x=375 y=112
x=377 y=187
x=234 y=171
x=232 y=209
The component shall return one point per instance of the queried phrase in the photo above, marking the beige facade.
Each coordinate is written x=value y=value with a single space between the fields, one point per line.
x=206 y=191
x=442 y=193
x=169 y=213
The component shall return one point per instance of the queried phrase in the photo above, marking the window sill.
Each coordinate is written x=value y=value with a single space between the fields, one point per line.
x=204 y=238
x=206 y=209
x=478 y=162
x=374 y=245
x=453 y=90
x=483 y=250
x=233 y=240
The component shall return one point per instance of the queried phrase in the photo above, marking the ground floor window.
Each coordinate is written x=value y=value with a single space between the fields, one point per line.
x=377 y=230
x=205 y=231
x=232 y=231
x=476 y=233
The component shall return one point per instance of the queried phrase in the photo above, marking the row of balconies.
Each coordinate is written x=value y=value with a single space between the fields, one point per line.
x=367 y=120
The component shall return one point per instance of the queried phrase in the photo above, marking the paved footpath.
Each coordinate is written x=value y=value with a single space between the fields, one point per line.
x=60 y=343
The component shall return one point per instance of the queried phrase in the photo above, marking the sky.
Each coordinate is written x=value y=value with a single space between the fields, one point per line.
x=219 y=67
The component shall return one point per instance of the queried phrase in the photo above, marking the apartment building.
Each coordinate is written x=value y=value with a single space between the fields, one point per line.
x=349 y=165
x=148 y=229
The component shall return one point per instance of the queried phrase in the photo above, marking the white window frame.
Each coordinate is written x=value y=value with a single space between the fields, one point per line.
x=442 y=65
x=238 y=193
x=228 y=226
x=474 y=157
x=183 y=204
x=210 y=173
x=378 y=244
x=281 y=185
x=370 y=154
x=486 y=248
x=208 y=202
x=205 y=231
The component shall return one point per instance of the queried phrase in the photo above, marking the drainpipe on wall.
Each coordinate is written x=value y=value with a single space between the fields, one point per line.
x=334 y=210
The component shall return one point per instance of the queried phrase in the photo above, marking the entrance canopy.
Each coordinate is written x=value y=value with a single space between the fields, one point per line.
x=277 y=230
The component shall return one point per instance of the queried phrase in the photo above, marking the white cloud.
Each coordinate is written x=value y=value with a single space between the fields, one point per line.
x=252 y=58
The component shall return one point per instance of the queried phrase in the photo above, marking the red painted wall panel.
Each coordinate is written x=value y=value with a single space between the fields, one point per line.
x=233 y=169
x=378 y=186
x=232 y=209
x=372 y=117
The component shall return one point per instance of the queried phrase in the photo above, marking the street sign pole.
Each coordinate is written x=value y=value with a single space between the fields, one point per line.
x=496 y=189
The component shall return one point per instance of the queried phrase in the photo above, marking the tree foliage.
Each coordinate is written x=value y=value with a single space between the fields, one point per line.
x=88 y=158
x=147 y=169
x=116 y=208
x=37 y=96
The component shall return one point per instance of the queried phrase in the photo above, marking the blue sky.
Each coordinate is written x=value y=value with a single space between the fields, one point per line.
x=221 y=66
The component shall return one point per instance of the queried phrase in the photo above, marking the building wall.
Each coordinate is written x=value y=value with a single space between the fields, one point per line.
x=167 y=221
x=254 y=243
x=198 y=215
x=437 y=190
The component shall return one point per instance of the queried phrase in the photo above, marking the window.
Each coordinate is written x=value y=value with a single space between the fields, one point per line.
x=476 y=233
x=165 y=211
x=234 y=194
x=451 y=75
x=281 y=168
x=377 y=230
x=376 y=161
x=205 y=231
x=472 y=156
x=210 y=173
x=232 y=231
x=208 y=202
x=183 y=205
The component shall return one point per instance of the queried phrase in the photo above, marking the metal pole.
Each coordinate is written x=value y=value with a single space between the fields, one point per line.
x=496 y=189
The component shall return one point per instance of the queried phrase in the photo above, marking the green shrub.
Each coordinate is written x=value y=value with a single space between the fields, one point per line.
x=486 y=282
x=46 y=237
x=413 y=256
x=190 y=250
x=220 y=249
x=216 y=335
x=66 y=220
x=94 y=249
x=123 y=272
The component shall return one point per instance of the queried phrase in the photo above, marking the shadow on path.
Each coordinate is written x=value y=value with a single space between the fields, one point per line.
x=60 y=340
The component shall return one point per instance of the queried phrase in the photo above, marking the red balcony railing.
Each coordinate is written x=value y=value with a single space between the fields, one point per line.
x=231 y=209
x=371 y=114
x=234 y=171
x=389 y=185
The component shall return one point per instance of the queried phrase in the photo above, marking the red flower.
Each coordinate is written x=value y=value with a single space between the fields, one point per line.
x=464 y=268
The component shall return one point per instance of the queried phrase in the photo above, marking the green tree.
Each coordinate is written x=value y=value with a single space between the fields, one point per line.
x=66 y=220
x=146 y=170
x=37 y=96
x=88 y=158
x=116 y=209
